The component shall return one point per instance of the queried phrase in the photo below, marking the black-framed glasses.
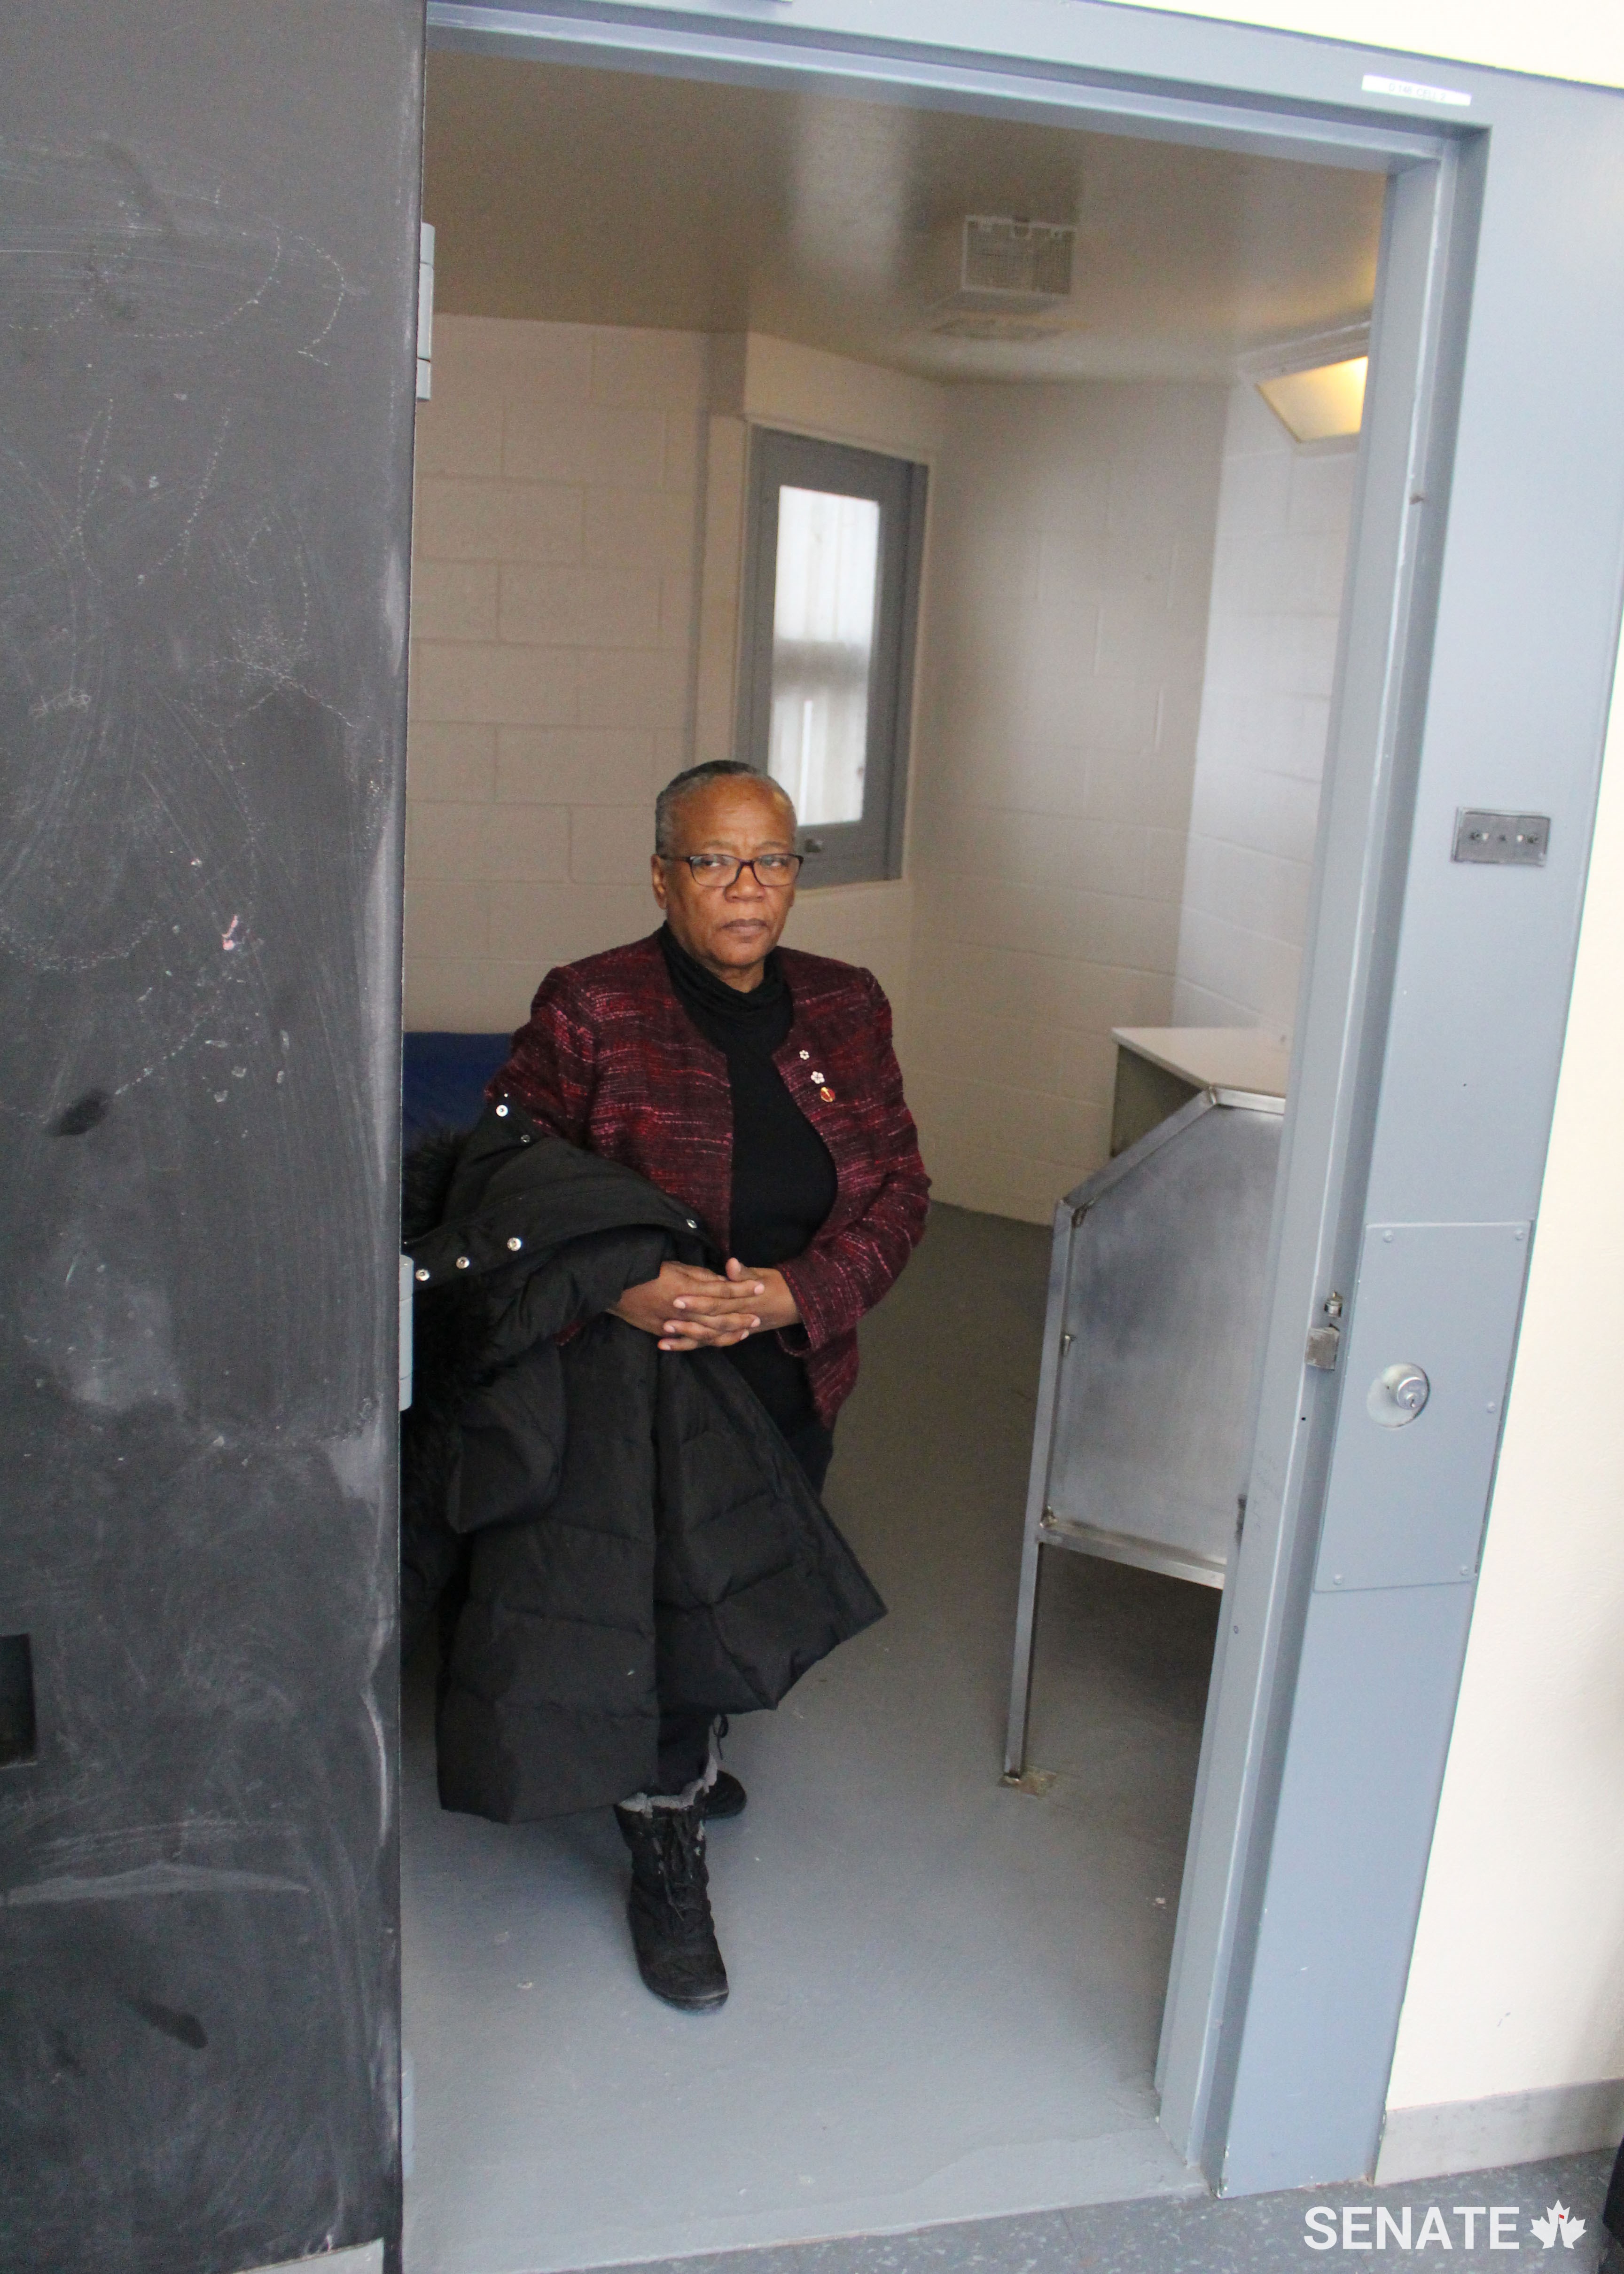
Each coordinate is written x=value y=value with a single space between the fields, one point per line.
x=718 y=872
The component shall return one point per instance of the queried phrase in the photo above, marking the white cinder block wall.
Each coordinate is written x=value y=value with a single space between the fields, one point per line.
x=1071 y=559
x=1283 y=520
x=554 y=554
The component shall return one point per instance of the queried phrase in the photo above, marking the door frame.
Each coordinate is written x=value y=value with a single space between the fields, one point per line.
x=1480 y=628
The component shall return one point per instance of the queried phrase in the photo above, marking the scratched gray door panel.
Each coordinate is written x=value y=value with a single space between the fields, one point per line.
x=1405 y=1506
x=208 y=268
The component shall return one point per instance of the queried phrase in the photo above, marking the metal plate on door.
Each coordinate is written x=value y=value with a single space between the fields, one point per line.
x=1424 y=1371
x=1501 y=840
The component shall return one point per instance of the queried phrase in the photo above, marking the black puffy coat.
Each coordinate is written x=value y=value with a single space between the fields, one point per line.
x=638 y=1532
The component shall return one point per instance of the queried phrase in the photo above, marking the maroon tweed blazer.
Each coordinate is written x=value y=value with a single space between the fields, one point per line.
x=612 y=1061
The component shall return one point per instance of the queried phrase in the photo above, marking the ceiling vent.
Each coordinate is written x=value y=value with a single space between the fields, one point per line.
x=1014 y=281
x=1029 y=258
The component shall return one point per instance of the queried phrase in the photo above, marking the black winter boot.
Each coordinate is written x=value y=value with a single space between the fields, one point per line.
x=723 y=1796
x=669 y=1907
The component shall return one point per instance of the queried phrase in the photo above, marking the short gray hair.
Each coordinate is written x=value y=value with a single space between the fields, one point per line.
x=680 y=787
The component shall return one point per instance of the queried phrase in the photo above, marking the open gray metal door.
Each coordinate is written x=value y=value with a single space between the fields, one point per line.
x=208 y=259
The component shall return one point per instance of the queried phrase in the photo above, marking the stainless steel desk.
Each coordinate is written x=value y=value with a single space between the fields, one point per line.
x=1161 y=1068
x=1155 y=1300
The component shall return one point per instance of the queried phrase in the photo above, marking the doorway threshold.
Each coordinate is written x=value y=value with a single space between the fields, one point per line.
x=1249 y=2234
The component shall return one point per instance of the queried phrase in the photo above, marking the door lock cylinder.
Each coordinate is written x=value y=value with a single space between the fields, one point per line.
x=1398 y=1395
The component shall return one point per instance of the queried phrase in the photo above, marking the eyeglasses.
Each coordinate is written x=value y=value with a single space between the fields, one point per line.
x=718 y=872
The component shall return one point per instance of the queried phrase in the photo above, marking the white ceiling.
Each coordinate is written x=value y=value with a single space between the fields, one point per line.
x=607 y=197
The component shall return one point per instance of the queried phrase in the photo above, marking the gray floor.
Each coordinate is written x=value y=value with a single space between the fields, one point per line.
x=1265 y=2234
x=945 y=1994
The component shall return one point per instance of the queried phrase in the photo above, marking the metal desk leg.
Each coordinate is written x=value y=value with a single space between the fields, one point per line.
x=1037 y=1492
x=1025 y=1645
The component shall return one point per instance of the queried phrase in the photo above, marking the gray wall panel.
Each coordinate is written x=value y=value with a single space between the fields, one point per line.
x=1408 y=1497
x=1521 y=676
x=1343 y=1887
x=1516 y=699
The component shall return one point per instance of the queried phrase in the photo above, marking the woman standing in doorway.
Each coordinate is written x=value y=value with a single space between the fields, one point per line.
x=758 y=1086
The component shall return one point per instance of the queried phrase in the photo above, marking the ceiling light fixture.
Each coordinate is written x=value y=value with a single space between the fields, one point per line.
x=1325 y=405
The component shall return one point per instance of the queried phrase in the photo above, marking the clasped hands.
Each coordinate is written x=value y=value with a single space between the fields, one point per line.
x=689 y=1308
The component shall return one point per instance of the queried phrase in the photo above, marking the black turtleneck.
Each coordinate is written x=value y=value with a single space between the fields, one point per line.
x=784 y=1178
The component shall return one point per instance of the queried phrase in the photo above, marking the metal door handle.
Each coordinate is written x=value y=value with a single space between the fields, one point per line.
x=1398 y=1395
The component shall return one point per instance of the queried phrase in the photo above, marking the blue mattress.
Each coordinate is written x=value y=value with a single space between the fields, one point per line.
x=443 y=1078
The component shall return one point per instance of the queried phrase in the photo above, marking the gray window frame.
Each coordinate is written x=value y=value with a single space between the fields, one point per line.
x=869 y=851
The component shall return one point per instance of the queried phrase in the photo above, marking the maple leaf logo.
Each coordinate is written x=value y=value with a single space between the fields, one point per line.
x=1557 y=2220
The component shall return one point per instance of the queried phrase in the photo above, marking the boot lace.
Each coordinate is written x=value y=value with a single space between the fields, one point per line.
x=679 y=1867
